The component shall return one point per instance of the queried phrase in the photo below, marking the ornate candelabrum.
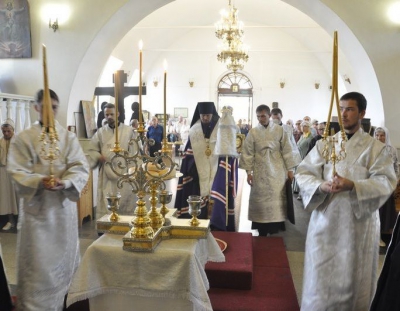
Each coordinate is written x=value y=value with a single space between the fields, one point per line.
x=329 y=151
x=49 y=150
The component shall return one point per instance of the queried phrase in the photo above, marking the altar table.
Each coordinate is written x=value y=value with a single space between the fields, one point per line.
x=171 y=278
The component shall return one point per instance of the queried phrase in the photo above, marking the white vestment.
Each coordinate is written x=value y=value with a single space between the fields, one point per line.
x=8 y=200
x=101 y=144
x=342 y=245
x=48 y=244
x=206 y=166
x=268 y=153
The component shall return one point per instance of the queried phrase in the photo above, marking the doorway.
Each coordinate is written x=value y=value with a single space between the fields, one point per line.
x=236 y=90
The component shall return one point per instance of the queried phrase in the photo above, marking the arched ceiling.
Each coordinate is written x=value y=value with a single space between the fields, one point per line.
x=265 y=23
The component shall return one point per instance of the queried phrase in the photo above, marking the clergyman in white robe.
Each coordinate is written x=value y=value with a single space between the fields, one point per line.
x=342 y=245
x=101 y=144
x=268 y=154
x=48 y=244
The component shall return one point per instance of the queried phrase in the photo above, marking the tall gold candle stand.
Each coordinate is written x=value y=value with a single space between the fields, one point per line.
x=49 y=136
x=329 y=151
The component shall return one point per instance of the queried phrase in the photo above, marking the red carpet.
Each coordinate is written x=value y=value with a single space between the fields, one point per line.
x=237 y=270
x=272 y=287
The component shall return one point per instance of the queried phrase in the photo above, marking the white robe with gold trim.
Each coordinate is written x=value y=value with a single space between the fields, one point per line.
x=268 y=153
x=342 y=245
x=48 y=244
x=101 y=144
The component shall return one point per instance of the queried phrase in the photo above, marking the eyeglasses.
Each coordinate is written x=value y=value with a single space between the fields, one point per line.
x=323 y=129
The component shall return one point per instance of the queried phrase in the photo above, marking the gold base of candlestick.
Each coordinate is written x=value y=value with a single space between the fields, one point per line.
x=156 y=219
x=141 y=228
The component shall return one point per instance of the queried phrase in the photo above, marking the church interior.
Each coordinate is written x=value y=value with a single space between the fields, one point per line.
x=289 y=65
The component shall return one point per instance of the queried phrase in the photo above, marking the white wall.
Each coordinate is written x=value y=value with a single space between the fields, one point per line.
x=79 y=50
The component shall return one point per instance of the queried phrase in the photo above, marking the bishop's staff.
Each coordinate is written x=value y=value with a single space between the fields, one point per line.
x=48 y=137
x=329 y=151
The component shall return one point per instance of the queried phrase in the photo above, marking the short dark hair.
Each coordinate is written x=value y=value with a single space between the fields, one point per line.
x=39 y=96
x=109 y=105
x=358 y=97
x=134 y=106
x=276 y=111
x=103 y=104
x=263 y=108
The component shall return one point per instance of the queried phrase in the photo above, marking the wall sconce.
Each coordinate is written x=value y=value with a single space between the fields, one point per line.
x=282 y=83
x=347 y=79
x=53 y=25
x=55 y=14
x=316 y=84
x=155 y=81
x=191 y=82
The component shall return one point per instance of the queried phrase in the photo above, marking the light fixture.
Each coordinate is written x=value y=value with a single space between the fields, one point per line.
x=191 y=82
x=230 y=30
x=155 y=81
x=234 y=55
x=53 y=25
x=347 y=79
x=55 y=15
x=316 y=84
x=282 y=83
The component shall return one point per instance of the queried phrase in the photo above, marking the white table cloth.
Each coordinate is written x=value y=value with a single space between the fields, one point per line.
x=171 y=276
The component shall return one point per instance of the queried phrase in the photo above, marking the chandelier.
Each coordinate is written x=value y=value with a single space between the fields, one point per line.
x=231 y=32
x=234 y=55
x=229 y=28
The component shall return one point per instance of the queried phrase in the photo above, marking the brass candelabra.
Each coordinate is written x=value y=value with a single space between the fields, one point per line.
x=49 y=150
x=329 y=152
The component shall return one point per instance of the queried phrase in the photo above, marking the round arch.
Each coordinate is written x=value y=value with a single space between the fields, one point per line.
x=133 y=11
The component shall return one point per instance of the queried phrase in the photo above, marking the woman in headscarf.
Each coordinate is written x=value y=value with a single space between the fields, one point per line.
x=387 y=213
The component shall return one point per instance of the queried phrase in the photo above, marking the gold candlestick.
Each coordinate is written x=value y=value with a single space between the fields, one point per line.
x=48 y=136
x=329 y=152
x=117 y=148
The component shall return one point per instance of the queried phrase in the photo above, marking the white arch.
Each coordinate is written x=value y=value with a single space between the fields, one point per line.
x=134 y=10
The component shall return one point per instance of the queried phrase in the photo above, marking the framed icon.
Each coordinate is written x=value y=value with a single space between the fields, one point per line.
x=181 y=112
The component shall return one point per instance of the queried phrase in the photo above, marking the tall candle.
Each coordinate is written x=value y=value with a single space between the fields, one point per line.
x=116 y=82
x=165 y=97
x=140 y=81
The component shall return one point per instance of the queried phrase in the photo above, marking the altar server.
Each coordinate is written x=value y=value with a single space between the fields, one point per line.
x=48 y=244
x=342 y=245
x=269 y=159
x=100 y=153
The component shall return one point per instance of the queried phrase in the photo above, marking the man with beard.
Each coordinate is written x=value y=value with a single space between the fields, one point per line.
x=100 y=152
x=342 y=245
x=204 y=171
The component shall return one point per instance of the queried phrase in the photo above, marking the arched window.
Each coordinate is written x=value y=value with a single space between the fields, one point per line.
x=235 y=89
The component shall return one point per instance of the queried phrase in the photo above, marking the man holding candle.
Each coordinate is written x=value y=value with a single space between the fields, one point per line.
x=200 y=166
x=100 y=153
x=48 y=244
x=342 y=245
